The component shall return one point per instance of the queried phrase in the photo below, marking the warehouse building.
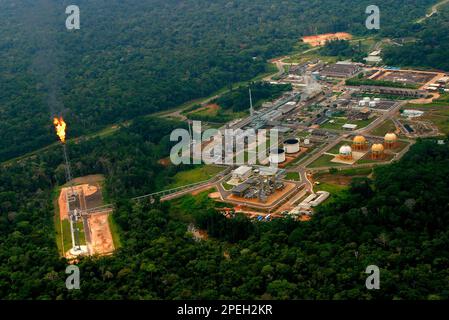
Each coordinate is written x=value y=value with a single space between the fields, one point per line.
x=340 y=70
x=242 y=173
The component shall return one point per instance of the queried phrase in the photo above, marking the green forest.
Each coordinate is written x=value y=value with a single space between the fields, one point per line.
x=429 y=46
x=342 y=49
x=397 y=221
x=238 y=100
x=137 y=57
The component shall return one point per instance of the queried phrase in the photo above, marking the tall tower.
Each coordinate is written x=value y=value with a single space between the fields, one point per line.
x=189 y=124
x=251 y=108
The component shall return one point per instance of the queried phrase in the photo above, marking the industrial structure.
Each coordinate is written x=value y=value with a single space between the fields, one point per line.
x=264 y=183
x=82 y=210
x=277 y=156
x=359 y=143
x=72 y=196
x=291 y=145
x=345 y=152
x=324 y=123
x=390 y=140
x=242 y=173
x=377 y=151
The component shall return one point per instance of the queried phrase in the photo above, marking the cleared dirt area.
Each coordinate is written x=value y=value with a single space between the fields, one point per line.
x=88 y=197
x=321 y=39
x=165 y=162
x=434 y=96
x=95 y=225
x=62 y=204
x=90 y=179
x=210 y=109
x=100 y=234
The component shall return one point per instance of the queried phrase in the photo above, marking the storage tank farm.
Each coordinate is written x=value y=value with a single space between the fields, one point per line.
x=345 y=152
x=359 y=143
x=291 y=145
x=277 y=156
x=390 y=140
x=377 y=151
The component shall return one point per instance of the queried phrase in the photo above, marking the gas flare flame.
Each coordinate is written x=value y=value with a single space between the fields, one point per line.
x=60 y=126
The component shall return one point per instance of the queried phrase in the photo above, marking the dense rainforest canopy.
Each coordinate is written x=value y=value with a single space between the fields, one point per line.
x=136 y=57
x=428 y=47
x=396 y=221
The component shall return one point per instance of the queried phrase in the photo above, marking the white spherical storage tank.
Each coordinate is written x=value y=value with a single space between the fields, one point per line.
x=345 y=150
x=291 y=145
x=277 y=156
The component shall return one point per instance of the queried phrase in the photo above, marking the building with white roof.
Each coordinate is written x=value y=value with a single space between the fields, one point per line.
x=242 y=173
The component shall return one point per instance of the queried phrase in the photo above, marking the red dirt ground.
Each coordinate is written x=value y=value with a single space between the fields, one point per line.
x=320 y=39
x=101 y=237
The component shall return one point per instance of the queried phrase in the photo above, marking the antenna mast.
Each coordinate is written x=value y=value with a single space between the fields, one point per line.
x=251 y=108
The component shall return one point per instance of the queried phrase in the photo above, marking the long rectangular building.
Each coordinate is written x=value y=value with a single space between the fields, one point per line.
x=394 y=91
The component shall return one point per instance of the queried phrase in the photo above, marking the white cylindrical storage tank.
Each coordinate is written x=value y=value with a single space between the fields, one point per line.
x=291 y=145
x=277 y=156
x=372 y=103
x=306 y=141
x=367 y=98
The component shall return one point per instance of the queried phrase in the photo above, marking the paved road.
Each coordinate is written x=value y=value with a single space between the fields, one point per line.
x=302 y=168
x=433 y=11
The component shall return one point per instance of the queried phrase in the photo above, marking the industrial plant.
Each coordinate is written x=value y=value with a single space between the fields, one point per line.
x=324 y=123
x=81 y=206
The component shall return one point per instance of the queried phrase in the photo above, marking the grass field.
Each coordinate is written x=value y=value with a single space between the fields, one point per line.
x=325 y=161
x=333 y=189
x=312 y=55
x=438 y=114
x=115 y=231
x=183 y=208
x=198 y=174
x=209 y=110
x=339 y=122
x=62 y=228
x=335 y=149
x=367 y=159
x=340 y=180
x=293 y=176
x=356 y=172
x=57 y=221
x=330 y=187
x=214 y=113
x=227 y=186
x=68 y=236
x=384 y=128
x=302 y=134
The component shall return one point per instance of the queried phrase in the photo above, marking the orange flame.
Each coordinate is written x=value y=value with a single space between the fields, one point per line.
x=60 y=128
